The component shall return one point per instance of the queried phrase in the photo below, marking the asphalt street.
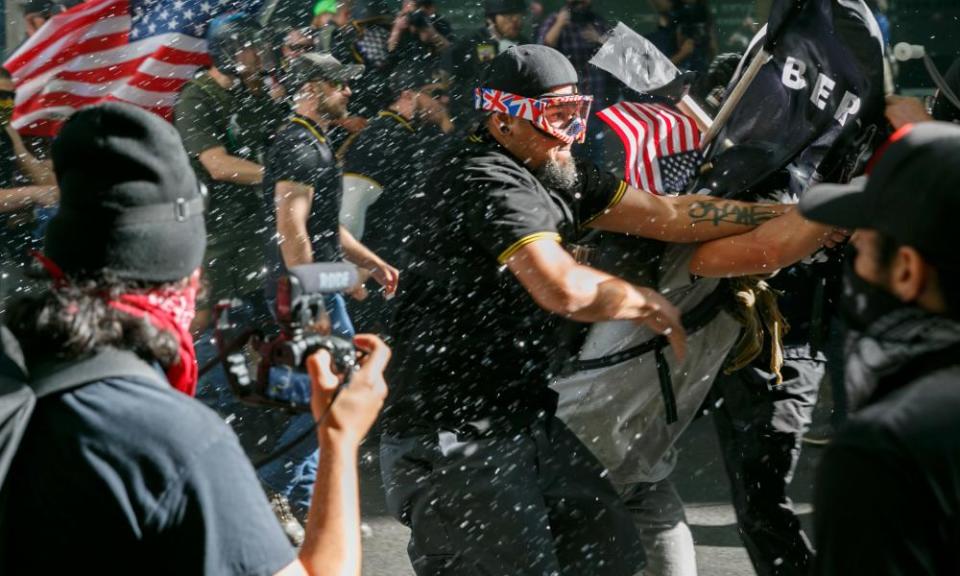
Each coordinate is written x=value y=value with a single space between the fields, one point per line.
x=699 y=477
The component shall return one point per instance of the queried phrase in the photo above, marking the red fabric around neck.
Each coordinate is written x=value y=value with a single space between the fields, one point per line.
x=173 y=311
x=169 y=310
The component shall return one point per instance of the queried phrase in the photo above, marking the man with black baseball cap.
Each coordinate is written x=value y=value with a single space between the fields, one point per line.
x=888 y=492
x=473 y=459
x=302 y=193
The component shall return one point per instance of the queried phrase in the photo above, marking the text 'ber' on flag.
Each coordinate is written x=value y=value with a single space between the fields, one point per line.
x=136 y=51
x=662 y=145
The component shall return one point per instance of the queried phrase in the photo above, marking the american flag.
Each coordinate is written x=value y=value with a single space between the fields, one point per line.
x=136 y=51
x=662 y=145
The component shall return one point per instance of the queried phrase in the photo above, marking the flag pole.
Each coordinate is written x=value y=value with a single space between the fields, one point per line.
x=731 y=102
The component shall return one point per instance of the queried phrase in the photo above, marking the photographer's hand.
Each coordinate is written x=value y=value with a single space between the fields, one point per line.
x=332 y=543
x=400 y=25
x=350 y=417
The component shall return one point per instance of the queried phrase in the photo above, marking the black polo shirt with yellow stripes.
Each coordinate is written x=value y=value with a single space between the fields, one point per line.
x=471 y=344
x=392 y=152
x=303 y=153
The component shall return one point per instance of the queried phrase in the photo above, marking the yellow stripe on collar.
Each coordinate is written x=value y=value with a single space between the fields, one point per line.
x=400 y=119
x=308 y=126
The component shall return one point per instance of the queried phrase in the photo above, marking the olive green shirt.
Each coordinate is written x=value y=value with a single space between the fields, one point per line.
x=209 y=116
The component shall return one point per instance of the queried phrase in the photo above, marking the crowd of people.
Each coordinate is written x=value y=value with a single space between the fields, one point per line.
x=376 y=134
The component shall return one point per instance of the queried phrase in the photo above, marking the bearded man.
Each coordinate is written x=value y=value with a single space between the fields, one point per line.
x=473 y=459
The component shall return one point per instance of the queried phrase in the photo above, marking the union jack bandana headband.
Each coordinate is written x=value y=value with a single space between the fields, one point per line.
x=563 y=117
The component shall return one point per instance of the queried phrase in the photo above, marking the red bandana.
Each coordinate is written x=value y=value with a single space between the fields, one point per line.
x=169 y=310
x=173 y=311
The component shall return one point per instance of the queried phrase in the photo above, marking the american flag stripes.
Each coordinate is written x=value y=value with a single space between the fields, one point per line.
x=662 y=145
x=137 y=51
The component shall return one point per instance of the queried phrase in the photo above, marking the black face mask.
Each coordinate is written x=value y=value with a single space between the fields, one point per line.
x=862 y=302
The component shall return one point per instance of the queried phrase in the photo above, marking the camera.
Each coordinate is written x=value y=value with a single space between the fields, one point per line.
x=277 y=354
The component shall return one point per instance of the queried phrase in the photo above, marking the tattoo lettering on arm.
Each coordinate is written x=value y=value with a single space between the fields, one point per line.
x=717 y=213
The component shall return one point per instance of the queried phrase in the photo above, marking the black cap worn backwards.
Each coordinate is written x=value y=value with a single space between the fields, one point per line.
x=129 y=199
x=912 y=195
x=315 y=66
x=529 y=70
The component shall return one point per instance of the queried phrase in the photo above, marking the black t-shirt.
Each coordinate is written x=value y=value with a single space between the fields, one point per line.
x=471 y=342
x=301 y=152
x=129 y=477
x=887 y=500
x=393 y=153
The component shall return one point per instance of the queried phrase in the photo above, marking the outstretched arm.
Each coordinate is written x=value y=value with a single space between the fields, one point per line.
x=683 y=219
x=332 y=546
x=774 y=245
x=560 y=285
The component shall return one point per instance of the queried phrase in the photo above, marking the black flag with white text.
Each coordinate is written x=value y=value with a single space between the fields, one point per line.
x=821 y=88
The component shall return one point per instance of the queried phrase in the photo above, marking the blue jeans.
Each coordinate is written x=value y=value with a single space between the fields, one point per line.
x=293 y=474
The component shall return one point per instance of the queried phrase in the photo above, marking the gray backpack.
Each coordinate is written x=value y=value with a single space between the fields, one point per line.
x=629 y=401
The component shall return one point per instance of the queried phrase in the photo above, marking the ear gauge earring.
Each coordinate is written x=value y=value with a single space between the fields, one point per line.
x=504 y=129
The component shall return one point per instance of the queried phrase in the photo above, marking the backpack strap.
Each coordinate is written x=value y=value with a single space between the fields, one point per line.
x=52 y=377
x=693 y=320
x=12 y=363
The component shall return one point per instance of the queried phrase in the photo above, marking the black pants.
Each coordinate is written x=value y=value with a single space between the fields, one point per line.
x=527 y=502
x=760 y=425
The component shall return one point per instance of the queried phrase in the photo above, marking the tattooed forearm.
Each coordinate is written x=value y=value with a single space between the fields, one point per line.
x=730 y=213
